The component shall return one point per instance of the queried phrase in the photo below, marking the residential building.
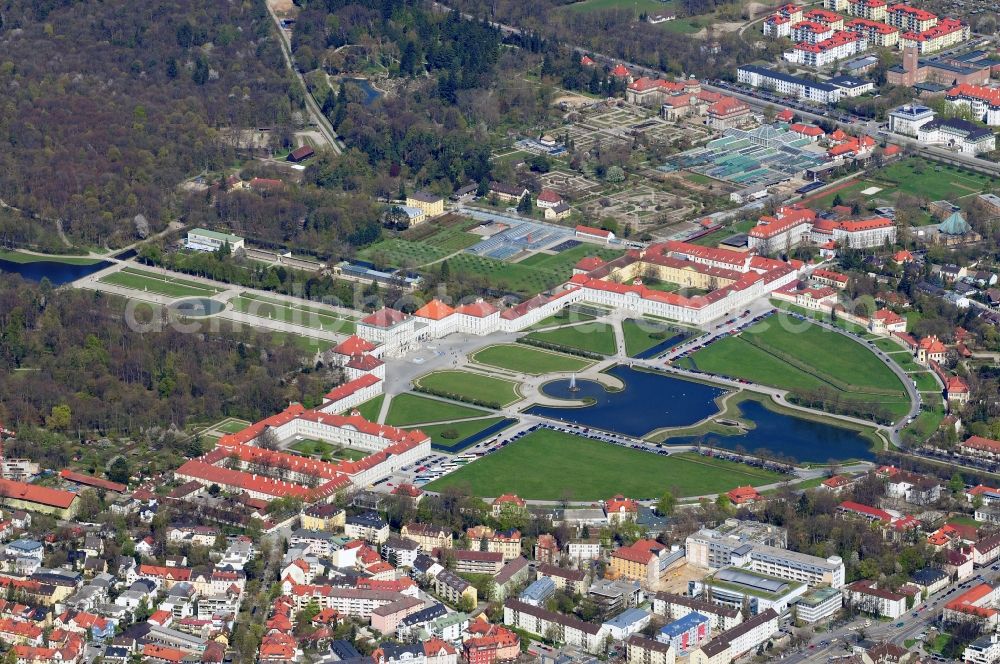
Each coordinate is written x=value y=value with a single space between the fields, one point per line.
x=489 y=644
x=686 y=633
x=538 y=591
x=626 y=623
x=507 y=193
x=982 y=101
x=647 y=651
x=566 y=629
x=513 y=575
x=546 y=549
x=454 y=588
x=869 y=597
x=976 y=604
x=674 y=607
x=475 y=562
x=573 y=580
x=613 y=597
x=984 y=650
x=580 y=550
x=428 y=536
x=323 y=516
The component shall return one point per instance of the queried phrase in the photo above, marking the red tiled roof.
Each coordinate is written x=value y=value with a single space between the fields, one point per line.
x=477 y=309
x=350 y=387
x=983 y=444
x=620 y=503
x=549 y=196
x=743 y=494
x=384 y=317
x=36 y=494
x=966 y=602
x=364 y=362
x=434 y=310
x=830 y=275
x=353 y=345
x=596 y=232
x=90 y=480
x=589 y=263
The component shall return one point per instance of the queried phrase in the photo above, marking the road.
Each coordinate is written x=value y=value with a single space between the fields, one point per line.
x=322 y=124
x=912 y=626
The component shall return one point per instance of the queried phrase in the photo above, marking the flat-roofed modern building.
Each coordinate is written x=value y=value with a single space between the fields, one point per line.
x=734 y=587
x=817 y=604
x=202 y=239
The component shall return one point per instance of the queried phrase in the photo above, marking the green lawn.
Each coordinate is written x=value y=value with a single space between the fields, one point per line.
x=406 y=409
x=637 y=6
x=468 y=385
x=821 y=316
x=528 y=360
x=905 y=360
x=552 y=465
x=20 y=257
x=792 y=355
x=887 y=345
x=233 y=426
x=641 y=334
x=926 y=382
x=565 y=260
x=309 y=345
x=396 y=252
x=153 y=282
x=932 y=180
x=564 y=317
x=311 y=317
x=325 y=450
x=684 y=26
x=371 y=408
x=718 y=236
x=591 y=337
x=446 y=435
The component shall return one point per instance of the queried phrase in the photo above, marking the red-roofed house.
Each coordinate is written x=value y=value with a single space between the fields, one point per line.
x=548 y=199
x=884 y=321
x=743 y=495
x=836 y=484
x=508 y=503
x=489 y=644
x=830 y=278
x=91 y=481
x=728 y=112
x=588 y=264
x=957 y=390
x=902 y=256
x=620 y=509
x=785 y=115
x=930 y=349
x=587 y=61
x=621 y=71
x=19 y=495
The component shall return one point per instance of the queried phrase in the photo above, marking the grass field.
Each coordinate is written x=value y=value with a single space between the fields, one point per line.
x=718 y=236
x=305 y=344
x=397 y=252
x=371 y=408
x=887 y=345
x=19 y=257
x=312 y=317
x=819 y=358
x=564 y=317
x=915 y=176
x=407 y=409
x=154 y=282
x=638 y=6
x=233 y=426
x=591 y=337
x=565 y=260
x=905 y=360
x=925 y=382
x=641 y=335
x=821 y=316
x=482 y=388
x=552 y=465
x=528 y=360
x=461 y=430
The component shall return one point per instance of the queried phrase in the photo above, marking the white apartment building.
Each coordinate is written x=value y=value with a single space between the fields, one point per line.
x=786 y=84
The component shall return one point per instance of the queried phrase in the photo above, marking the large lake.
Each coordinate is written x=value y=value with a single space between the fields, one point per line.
x=653 y=400
x=58 y=273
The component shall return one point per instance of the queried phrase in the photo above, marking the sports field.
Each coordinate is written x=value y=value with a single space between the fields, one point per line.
x=287 y=312
x=528 y=360
x=590 y=337
x=154 y=282
x=552 y=465
x=407 y=409
x=470 y=386
x=794 y=355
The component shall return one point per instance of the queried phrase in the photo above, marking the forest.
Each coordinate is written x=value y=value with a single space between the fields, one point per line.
x=108 y=106
x=69 y=360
